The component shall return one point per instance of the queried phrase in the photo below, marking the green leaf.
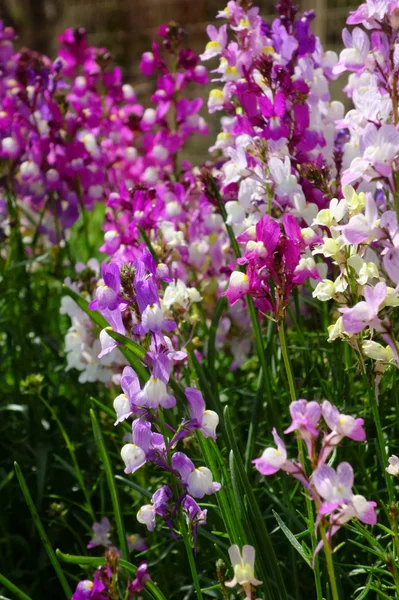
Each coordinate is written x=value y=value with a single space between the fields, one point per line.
x=42 y=532
x=126 y=342
x=98 y=436
x=13 y=588
x=134 y=486
x=292 y=539
x=147 y=242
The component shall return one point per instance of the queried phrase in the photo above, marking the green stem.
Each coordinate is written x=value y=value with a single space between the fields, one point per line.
x=287 y=365
x=330 y=563
x=190 y=557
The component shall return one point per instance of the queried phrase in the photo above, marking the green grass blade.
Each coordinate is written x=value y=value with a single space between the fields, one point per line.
x=222 y=497
x=42 y=532
x=99 y=439
x=13 y=588
x=265 y=546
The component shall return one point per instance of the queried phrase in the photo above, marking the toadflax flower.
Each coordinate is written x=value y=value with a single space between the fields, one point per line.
x=393 y=467
x=197 y=480
x=205 y=420
x=101 y=535
x=243 y=566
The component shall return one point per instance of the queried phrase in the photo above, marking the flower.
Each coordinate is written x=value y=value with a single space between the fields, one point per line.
x=198 y=481
x=393 y=467
x=101 y=535
x=205 y=420
x=273 y=459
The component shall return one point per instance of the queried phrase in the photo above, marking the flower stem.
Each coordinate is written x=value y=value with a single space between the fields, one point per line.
x=330 y=564
x=190 y=557
x=287 y=365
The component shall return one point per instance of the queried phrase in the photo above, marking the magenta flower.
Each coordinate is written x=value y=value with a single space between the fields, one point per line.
x=275 y=111
x=305 y=419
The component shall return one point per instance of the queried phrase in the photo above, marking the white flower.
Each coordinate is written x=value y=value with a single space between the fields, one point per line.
x=325 y=290
x=336 y=330
x=178 y=294
x=393 y=468
x=199 y=482
x=378 y=352
x=133 y=456
x=146 y=516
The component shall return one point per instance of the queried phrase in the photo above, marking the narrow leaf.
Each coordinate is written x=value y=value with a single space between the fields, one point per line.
x=13 y=588
x=292 y=539
x=42 y=532
x=98 y=436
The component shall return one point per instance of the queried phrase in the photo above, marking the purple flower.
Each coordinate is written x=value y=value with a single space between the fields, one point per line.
x=124 y=404
x=305 y=419
x=275 y=111
x=273 y=459
x=83 y=590
x=114 y=318
x=152 y=317
x=159 y=506
x=204 y=420
x=334 y=487
x=365 y=313
x=107 y=294
x=138 y=583
x=198 y=481
x=136 y=542
x=342 y=425
x=101 y=535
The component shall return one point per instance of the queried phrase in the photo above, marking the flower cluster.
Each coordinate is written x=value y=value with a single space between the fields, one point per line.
x=82 y=346
x=66 y=137
x=130 y=301
x=330 y=489
x=103 y=585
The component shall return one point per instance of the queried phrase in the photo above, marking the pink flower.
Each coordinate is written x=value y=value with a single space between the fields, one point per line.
x=365 y=313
